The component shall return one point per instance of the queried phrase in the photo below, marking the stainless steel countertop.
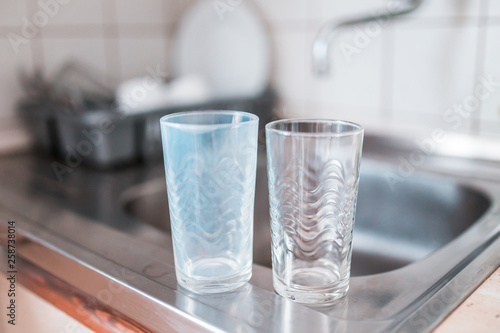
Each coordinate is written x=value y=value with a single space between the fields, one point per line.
x=78 y=231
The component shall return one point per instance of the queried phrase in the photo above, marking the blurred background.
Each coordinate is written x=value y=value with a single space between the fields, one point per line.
x=404 y=74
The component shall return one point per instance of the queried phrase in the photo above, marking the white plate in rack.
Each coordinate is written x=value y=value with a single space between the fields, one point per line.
x=227 y=45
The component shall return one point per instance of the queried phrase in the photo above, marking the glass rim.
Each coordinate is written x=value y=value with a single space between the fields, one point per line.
x=166 y=119
x=357 y=128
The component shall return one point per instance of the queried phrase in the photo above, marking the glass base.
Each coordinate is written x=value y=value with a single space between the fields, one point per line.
x=312 y=295
x=214 y=285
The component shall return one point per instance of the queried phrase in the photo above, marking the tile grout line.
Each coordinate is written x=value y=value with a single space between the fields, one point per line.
x=105 y=30
x=36 y=43
x=482 y=31
x=386 y=93
x=410 y=23
x=166 y=31
x=308 y=89
x=111 y=40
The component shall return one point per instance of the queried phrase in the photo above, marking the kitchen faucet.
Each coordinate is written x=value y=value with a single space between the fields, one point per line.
x=321 y=46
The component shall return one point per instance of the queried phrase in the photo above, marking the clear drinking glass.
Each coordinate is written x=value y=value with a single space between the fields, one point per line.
x=313 y=172
x=210 y=166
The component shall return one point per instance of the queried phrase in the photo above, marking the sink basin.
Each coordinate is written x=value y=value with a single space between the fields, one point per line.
x=412 y=237
x=394 y=227
x=423 y=241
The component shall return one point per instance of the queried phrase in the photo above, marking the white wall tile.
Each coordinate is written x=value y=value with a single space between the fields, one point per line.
x=292 y=108
x=433 y=66
x=298 y=108
x=137 y=54
x=332 y=9
x=354 y=81
x=89 y=52
x=448 y=8
x=291 y=64
x=433 y=69
x=325 y=9
x=490 y=110
x=355 y=85
x=10 y=86
x=428 y=121
x=366 y=117
x=489 y=128
x=494 y=8
x=72 y=31
x=419 y=119
x=73 y=12
x=145 y=11
x=176 y=9
x=142 y=30
x=11 y=12
x=279 y=10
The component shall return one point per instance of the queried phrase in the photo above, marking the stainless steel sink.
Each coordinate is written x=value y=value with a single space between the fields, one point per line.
x=394 y=226
x=424 y=239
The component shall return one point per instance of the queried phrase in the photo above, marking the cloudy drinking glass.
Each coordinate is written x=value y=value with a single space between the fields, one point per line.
x=313 y=174
x=210 y=165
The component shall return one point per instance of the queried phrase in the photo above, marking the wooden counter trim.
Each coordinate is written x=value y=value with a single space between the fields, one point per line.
x=82 y=307
x=480 y=312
